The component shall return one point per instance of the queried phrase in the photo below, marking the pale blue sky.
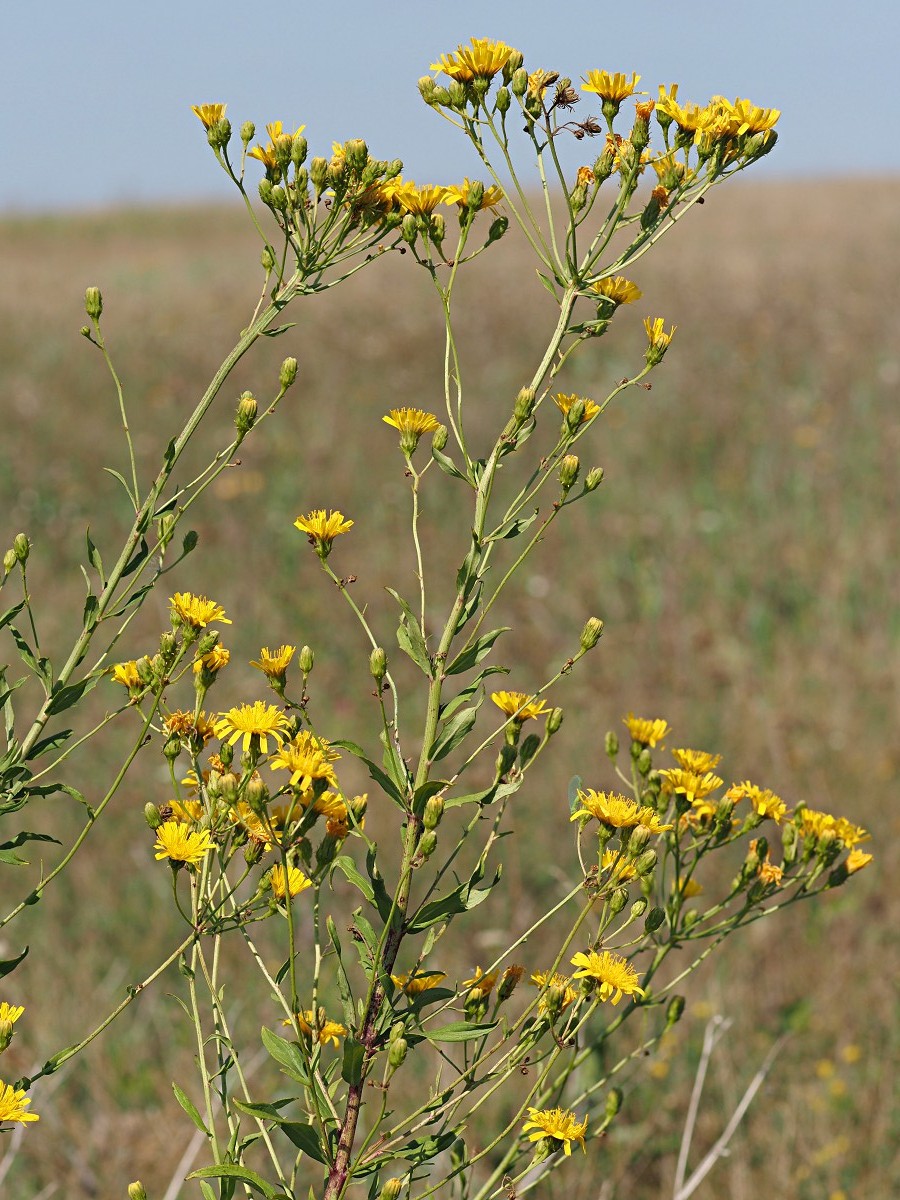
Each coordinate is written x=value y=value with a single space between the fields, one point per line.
x=96 y=96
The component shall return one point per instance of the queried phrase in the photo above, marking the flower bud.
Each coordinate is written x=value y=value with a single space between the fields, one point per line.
x=409 y=229
x=298 y=150
x=318 y=173
x=305 y=660
x=594 y=479
x=554 y=721
x=393 y=1187
x=637 y=842
x=226 y=755
x=674 y=1011
x=253 y=851
x=457 y=92
x=434 y=810
x=397 y=1052
x=503 y=100
x=288 y=373
x=646 y=863
x=524 y=405
x=437 y=228
x=219 y=135
x=529 y=747
x=256 y=794
x=655 y=917
x=638 y=908
x=172 y=748
x=10 y=558
x=441 y=96
x=248 y=132
x=245 y=417
x=618 y=899
x=358 y=806
x=505 y=759
x=378 y=664
x=136 y=1190
x=265 y=194
x=575 y=414
x=427 y=844
x=644 y=761
x=93 y=303
x=427 y=88
x=509 y=981
x=498 y=227
x=613 y=1102
x=208 y=642
x=568 y=471
x=611 y=744
x=590 y=635
x=145 y=670
x=439 y=438
x=151 y=815
x=229 y=784
x=518 y=83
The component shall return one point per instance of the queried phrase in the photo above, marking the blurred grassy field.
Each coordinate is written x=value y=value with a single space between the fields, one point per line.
x=743 y=553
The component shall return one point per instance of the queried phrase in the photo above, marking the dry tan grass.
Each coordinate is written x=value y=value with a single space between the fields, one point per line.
x=743 y=555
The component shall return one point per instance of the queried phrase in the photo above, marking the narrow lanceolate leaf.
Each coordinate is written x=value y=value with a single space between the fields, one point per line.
x=233 y=1171
x=190 y=1108
x=459 y=1031
x=473 y=654
x=94 y=558
x=409 y=636
x=62 y=698
x=352 y=1065
x=285 y=1053
x=453 y=732
x=7 y=966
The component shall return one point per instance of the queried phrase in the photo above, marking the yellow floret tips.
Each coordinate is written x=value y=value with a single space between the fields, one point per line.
x=614 y=975
x=412 y=424
x=481 y=59
x=195 y=612
x=322 y=528
x=558 y=1128
x=181 y=845
x=519 y=705
x=253 y=724
x=14 y=1104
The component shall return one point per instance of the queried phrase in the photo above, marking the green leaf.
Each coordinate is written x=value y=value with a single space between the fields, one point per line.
x=62 y=698
x=9 y=965
x=383 y=901
x=190 y=1108
x=208 y=1193
x=447 y=465
x=471 y=689
x=461 y=899
x=6 y=617
x=348 y=868
x=278 y=330
x=471 y=606
x=352 y=1064
x=459 y=1031
x=409 y=636
x=140 y=555
x=452 y=733
x=383 y=780
x=40 y=666
x=511 y=529
x=343 y=981
x=121 y=478
x=91 y=614
x=233 y=1171
x=548 y=284
x=287 y=1054
x=472 y=655
x=305 y=1138
x=94 y=557
x=497 y=791
x=7 y=849
x=424 y=1149
x=424 y=793
x=49 y=743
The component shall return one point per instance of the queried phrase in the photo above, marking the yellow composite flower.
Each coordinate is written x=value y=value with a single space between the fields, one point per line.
x=615 y=87
x=322 y=1029
x=751 y=119
x=180 y=723
x=209 y=114
x=540 y=80
x=545 y=980
x=13 y=1104
x=484 y=983
x=688 y=118
x=189 y=811
x=180 y=844
x=615 y=975
x=558 y=1125
x=618 y=289
x=617 y=811
x=564 y=403
x=10 y=1013
x=689 y=783
x=411 y=421
x=460 y=195
x=416 y=984
x=519 y=705
x=323 y=527
x=481 y=59
x=813 y=823
x=856 y=860
x=647 y=731
x=307 y=757
x=274 y=663
x=217 y=658
x=657 y=338
x=265 y=831
x=196 y=611
x=266 y=155
x=258 y=720
x=770 y=872
x=849 y=833
x=126 y=673
x=763 y=801
x=668 y=167
x=295 y=882
x=620 y=870
x=690 y=888
x=699 y=761
x=420 y=201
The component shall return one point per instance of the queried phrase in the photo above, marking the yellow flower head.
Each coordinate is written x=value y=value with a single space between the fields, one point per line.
x=763 y=801
x=751 y=119
x=647 y=731
x=416 y=984
x=420 y=201
x=618 y=289
x=307 y=757
x=483 y=983
x=540 y=80
x=217 y=658
x=460 y=195
x=189 y=811
x=253 y=721
x=689 y=783
x=657 y=338
x=564 y=403
x=559 y=1125
x=412 y=424
x=620 y=870
x=179 y=844
x=209 y=114
x=196 y=612
x=519 y=705
x=699 y=761
x=849 y=833
x=770 y=872
x=316 y=1025
x=261 y=828
x=126 y=673
x=612 y=972
x=293 y=884
x=619 y=812
x=13 y=1105
x=614 y=87
x=322 y=528
x=267 y=155
x=274 y=663
x=688 y=118
x=856 y=860
x=482 y=59
x=10 y=1013
x=563 y=985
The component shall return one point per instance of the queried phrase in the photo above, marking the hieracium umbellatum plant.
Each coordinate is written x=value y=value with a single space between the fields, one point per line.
x=401 y=1076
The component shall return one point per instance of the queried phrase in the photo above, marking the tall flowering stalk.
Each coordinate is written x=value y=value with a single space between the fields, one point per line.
x=259 y=824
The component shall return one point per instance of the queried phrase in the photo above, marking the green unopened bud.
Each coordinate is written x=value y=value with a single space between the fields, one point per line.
x=219 y=135
x=617 y=900
x=505 y=759
x=556 y=1000
x=760 y=144
x=253 y=851
x=427 y=844
x=397 y=1052
x=439 y=438
x=168 y=647
x=638 y=839
x=305 y=660
x=10 y=558
x=172 y=748
x=288 y=373
x=441 y=96
x=226 y=754
x=591 y=633
x=613 y=1102
x=644 y=761
x=393 y=1187
x=437 y=228
x=229 y=784
x=611 y=744
x=568 y=471
x=22 y=547
x=378 y=664
x=498 y=227
x=434 y=810
x=248 y=132
x=427 y=88
x=245 y=417
x=279 y=198
x=357 y=154
x=151 y=815
x=136 y=1190
x=518 y=84
x=409 y=229
x=674 y=1011
x=457 y=92
x=256 y=794
x=646 y=864
x=509 y=981
x=638 y=908
x=554 y=720
x=655 y=918
x=503 y=101
x=145 y=670
x=594 y=479
x=524 y=405
x=574 y=414
x=318 y=173
x=266 y=188
x=529 y=747
x=208 y=642
x=358 y=806
x=790 y=844
x=299 y=150
x=93 y=303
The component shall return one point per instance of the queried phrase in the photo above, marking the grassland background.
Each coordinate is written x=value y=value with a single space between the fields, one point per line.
x=742 y=552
